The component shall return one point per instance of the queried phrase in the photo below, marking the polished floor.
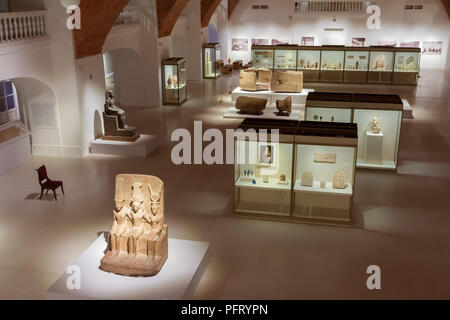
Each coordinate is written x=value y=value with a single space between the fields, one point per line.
x=401 y=221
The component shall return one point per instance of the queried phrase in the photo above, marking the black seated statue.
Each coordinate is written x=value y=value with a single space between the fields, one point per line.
x=114 y=120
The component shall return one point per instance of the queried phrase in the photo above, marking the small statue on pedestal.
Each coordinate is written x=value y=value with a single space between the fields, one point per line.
x=114 y=121
x=376 y=125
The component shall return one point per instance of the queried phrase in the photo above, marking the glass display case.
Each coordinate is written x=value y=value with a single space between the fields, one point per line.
x=332 y=64
x=263 y=168
x=356 y=65
x=308 y=61
x=211 y=61
x=324 y=178
x=406 y=65
x=379 y=119
x=381 y=65
x=329 y=107
x=285 y=58
x=174 y=81
x=262 y=57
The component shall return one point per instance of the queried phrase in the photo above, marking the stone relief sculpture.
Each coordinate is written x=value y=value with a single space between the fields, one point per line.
x=376 y=125
x=114 y=121
x=339 y=180
x=138 y=241
x=249 y=105
x=307 y=179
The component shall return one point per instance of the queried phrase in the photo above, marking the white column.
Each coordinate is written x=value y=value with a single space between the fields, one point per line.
x=194 y=40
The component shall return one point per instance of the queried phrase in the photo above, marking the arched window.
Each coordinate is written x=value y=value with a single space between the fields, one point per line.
x=8 y=100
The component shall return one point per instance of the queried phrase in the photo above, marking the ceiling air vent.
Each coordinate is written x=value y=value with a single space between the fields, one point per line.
x=260 y=6
x=413 y=7
x=331 y=6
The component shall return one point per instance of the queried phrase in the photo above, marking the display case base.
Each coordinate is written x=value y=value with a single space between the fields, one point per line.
x=407 y=110
x=139 y=148
x=268 y=113
x=298 y=99
x=177 y=280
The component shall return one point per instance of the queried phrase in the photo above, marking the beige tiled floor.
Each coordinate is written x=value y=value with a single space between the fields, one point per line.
x=402 y=221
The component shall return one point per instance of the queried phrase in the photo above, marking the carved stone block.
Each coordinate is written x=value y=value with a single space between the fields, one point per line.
x=287 y=81
x=247 y=80
x=138 y=241
x=249 y=105
x=325 y=157
x=339 y=180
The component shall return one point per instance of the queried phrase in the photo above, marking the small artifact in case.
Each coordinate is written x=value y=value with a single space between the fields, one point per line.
x=307 y=179
x=249 y=105
x=284 y=107
x=339 y=180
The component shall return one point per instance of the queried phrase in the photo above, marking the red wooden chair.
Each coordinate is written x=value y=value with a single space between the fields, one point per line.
x=47 y=184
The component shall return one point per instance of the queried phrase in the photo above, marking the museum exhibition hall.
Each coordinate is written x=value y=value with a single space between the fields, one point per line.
x=224 y=149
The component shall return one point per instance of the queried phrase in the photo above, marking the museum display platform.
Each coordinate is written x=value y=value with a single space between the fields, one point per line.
x=15 y=145
x=177 y=280
x=268 y=113
x=272 y=97
x=142 y=147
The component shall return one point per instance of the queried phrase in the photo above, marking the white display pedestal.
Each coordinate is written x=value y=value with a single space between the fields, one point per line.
x=268 y=113
x=16 y=150
x=177 y=280
x=272 y=97
x=140 y=148
x=374 y=147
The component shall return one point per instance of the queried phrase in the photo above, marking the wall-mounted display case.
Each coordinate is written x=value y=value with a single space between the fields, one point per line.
x=356 y=65
x=379 y=119
x=376 y=64
x=262 y=56
x=324 y=178
x=174 y=81
x=406 y=65
x=332 y=64
x=329 y=107
x=308 y=61
x=285 y=58
x=263 y=169
x=211 y=61
x=381 y=65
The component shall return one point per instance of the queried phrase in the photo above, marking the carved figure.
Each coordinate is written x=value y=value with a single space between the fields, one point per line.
x=138 y=241
x=376 y=125
x=114 y=120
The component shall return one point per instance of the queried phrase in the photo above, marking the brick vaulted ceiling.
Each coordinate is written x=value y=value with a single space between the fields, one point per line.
x=231 y=6
x=446 y=4
x=97 y=19
x=168 y=14
x=208 y=9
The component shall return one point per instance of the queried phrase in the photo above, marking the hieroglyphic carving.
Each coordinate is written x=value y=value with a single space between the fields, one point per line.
x=325 y=157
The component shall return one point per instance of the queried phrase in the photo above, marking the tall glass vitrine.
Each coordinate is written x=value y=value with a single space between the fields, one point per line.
x=285 y=57
x=211 y=61
x=174 y=77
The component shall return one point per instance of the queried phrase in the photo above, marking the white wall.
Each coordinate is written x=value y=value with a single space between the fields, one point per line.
x=220 y=21
x=27 y=5
x=280 y=22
